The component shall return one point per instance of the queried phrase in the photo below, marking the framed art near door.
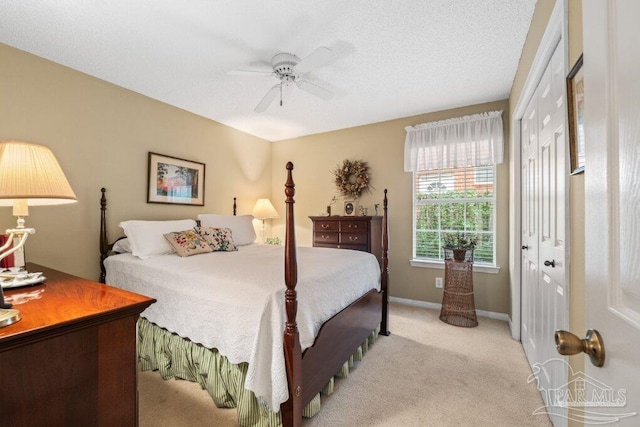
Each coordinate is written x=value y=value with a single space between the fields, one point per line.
x=575 y=95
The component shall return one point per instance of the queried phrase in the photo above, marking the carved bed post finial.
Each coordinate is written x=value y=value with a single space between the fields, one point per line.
x=291 y=410
x=234 y=206
x=384 y=281
x=104 y=241
x=291 y=268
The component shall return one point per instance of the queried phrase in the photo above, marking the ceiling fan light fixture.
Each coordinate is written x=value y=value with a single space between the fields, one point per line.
x=289 y=68
x=284 y=65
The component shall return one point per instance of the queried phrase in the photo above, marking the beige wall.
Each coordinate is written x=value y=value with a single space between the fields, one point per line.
x=577 y=315
x=382 y=146
x=101 y=134
x=576 y=286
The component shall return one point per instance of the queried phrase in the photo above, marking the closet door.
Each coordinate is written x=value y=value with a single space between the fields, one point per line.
x=530 y=212
x=544 y=208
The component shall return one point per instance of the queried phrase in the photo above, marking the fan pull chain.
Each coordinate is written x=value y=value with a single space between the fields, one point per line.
x=281 y=94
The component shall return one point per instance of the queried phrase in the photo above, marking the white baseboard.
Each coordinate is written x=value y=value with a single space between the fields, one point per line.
x=436 y=306
x=513 y=335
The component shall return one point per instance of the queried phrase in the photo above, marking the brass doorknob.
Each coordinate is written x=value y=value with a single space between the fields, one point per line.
x=569 y=344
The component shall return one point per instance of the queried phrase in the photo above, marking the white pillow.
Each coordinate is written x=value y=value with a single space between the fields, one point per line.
x=146 y=238
x=241 y=226
x=122 y=246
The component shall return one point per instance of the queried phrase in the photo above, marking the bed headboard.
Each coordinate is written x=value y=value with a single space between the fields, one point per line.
x=105 y=246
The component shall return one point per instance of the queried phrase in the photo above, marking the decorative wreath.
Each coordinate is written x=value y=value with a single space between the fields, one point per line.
x=352 y=178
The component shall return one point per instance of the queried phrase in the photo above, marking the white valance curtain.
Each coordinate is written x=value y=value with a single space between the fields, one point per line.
x=476 y=140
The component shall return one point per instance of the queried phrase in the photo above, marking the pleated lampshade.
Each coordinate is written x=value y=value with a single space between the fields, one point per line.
x=264 y=210
x=30 y=172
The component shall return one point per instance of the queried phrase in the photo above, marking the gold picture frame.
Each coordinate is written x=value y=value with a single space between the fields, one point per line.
x=175 y=181
x=575 y=102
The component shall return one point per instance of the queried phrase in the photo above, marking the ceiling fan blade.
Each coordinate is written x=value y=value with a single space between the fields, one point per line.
x=267 y=100
x=315 y=90
x=250 y=72
x=321 y=56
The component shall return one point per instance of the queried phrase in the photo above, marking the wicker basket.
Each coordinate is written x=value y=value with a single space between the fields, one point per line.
x=458 y=306
x=458 y=254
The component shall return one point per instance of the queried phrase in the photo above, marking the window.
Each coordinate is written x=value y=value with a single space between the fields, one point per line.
x=483 y=174
x=453 y=165
x=452 y=200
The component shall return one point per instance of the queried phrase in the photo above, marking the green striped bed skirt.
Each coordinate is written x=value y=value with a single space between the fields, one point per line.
x=175 y=357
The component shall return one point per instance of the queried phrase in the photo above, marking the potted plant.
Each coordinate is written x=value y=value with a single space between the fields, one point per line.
x=459 y=243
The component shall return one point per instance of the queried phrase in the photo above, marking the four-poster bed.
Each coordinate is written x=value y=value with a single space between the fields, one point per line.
x=308 y=371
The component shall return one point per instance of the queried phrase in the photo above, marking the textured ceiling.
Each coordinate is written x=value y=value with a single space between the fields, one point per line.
x=393 y=58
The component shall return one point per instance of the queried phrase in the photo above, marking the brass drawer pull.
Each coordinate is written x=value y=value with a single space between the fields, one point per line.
x=353 y=238
x=326 y=237
x=353 y=225
x=325 y=226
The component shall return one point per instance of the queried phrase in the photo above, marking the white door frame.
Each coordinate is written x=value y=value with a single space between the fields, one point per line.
x=556 y=32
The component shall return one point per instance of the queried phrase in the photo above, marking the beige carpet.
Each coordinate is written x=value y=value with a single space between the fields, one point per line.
x=426 y=373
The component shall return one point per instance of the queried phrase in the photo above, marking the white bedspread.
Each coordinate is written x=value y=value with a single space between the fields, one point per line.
x=234 y=301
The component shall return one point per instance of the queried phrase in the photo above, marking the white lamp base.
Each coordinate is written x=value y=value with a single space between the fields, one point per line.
x=9 y=316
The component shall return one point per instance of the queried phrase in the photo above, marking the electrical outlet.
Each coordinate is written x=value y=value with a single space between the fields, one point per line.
x=439 y=282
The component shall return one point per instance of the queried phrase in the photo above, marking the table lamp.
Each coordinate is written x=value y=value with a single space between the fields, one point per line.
x=264 y=210
x=29 y=176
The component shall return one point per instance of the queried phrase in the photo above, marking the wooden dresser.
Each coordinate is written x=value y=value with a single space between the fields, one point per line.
x=362 y=233
x=71 y=360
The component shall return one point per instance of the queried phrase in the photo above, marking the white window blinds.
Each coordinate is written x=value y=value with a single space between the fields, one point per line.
x=476 y=140
x=454 y=201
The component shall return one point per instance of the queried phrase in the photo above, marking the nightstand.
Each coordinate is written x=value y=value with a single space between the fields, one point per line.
x=71 y=360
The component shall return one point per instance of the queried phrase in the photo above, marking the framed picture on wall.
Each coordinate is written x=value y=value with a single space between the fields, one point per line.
x=575 y=96
x=175 y=181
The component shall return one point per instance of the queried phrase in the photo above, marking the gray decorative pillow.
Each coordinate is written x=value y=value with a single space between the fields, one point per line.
x=219 y=239
x=188 y=242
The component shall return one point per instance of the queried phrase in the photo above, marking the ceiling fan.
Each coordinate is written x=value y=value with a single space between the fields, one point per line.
x=290 y=70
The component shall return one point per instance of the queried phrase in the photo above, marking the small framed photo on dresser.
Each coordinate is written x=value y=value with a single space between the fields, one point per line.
x=349 y=207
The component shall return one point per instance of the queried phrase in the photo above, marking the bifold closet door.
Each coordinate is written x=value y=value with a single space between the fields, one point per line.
x=544 y=223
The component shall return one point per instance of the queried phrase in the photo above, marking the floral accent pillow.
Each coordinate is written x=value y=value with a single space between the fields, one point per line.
x=188 y=242
x=219 y=239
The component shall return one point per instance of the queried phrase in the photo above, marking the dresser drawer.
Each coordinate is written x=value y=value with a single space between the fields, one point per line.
x=353 y=239
x=325 y=237
x=354 y=226
x=360 y=233
x=326 y=226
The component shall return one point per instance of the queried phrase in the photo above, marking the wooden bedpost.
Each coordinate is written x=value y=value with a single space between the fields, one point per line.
x=104 y=242
x=384 y=281
x=291 y=410
x=234 y=206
